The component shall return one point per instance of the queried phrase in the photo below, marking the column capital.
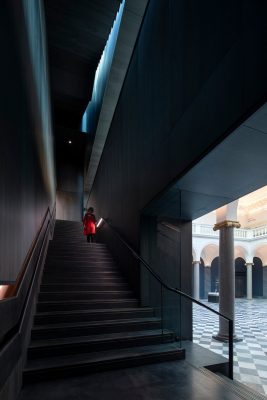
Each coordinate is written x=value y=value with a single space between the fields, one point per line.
x=249 y=264
x=226 y=224
x=196 y=262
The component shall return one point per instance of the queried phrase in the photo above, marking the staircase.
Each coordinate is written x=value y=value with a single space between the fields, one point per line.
x=87 y=317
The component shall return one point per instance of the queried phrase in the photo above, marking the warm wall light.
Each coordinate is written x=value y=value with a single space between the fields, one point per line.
x=99 y=222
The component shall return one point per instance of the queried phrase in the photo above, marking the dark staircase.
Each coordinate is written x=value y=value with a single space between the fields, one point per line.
x=87 y=317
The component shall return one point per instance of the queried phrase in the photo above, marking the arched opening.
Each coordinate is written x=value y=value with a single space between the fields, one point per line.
x=240 y=278
x=257 y=278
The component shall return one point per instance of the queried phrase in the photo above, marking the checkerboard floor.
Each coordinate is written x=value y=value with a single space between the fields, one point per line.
x=250 y=355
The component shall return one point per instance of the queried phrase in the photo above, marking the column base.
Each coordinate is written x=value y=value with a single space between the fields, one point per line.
x=225 y=338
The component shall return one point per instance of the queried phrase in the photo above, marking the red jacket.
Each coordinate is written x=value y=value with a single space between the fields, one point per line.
x=89 y=223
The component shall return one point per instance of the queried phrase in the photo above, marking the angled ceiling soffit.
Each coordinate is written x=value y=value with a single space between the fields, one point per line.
x=133 y=14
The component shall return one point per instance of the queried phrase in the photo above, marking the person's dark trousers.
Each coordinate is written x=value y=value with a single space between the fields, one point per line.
x=90 y=238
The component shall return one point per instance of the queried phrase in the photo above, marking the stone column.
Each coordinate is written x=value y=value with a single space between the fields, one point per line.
x=249 y=280
x=264 y=275
x=196 y=279
x=226 y=275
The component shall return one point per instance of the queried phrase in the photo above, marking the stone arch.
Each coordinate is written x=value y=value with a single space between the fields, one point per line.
x=261 y=252
x=208 y=253
x=241 y=252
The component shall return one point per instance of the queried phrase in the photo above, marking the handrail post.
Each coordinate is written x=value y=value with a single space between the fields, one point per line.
x=231 y=350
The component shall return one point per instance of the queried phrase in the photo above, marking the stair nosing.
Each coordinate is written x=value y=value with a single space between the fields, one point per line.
x=103 y=356
x=97 y=310
x=36 y=343
x=77 y=325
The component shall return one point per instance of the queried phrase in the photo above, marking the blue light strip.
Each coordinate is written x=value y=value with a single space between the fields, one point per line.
x=91 y=115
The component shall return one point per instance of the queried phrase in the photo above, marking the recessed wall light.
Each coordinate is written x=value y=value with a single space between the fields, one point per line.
x=69 y=141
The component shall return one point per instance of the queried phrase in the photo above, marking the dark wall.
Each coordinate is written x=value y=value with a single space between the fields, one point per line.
x=26 y=161
x=166 y=247
x=70 y=169
x=197 y=68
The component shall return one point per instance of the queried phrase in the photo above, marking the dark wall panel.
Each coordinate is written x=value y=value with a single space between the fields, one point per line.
x=26 y=161
x=198 y=67
x=69 y=193
x=166 y=248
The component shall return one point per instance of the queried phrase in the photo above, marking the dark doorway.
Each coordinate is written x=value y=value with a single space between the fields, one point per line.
x=214 y=275
x=240 y=278
x=201 y=280
x=257 y=278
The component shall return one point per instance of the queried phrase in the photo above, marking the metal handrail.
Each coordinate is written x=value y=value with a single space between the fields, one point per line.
x=14 y=340
x=185 y=295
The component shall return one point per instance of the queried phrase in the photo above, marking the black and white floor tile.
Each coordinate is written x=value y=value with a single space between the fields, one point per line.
x=250 y=354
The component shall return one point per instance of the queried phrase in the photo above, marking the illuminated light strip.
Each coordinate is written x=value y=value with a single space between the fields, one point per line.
x=99 y=222
x=92 y=112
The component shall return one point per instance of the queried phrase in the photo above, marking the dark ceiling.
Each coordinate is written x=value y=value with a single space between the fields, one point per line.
x=77 y=31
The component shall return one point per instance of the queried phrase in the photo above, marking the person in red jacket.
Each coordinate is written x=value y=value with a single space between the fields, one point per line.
x=89 y=225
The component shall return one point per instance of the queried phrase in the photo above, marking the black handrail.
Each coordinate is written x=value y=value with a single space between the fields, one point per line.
x=18 y=286
x=17 y=328
x=177 y=291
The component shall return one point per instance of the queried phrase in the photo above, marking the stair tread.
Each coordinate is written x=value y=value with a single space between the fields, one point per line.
x=82 y=282
x=91 y=291
x=95 y=323
x=85 y=284
x=37 y=343
x=91 y=301
x=100 y=356
x=96 y=311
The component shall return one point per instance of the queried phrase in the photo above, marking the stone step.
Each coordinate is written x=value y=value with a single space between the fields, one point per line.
x=80 y=263
x=94 y=327
x=81 y=267
x=55 y=317
x=81 y=275
x=93 y=343
x=77 y=256
x=69 y=305
x=47 y=368
x=92 y=295
x=94 y=278
x=83 y=287
x=73 y=251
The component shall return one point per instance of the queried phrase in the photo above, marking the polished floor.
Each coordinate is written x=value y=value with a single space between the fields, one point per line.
x=250 y=355
x=165 y=381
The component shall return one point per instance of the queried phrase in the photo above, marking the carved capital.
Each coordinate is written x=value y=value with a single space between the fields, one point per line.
x=195 y=262
x=226 y=224
x=249 y=264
